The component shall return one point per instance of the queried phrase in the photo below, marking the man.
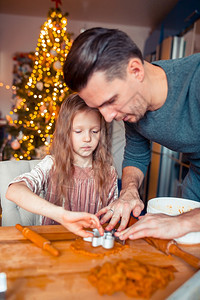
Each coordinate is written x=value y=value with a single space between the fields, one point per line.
x=158 y=102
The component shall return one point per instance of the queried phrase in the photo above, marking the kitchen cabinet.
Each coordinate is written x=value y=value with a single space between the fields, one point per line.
x=182 y=17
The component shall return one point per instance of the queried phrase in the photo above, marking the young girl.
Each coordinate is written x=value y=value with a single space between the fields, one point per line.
x=78 y=178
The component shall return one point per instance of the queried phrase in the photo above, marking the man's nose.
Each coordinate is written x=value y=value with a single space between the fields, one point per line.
x=109 y=114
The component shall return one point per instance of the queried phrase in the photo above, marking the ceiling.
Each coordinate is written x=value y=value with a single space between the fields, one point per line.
x=147 y=13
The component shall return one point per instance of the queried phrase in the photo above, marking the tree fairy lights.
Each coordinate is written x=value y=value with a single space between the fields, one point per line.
x=32 y=121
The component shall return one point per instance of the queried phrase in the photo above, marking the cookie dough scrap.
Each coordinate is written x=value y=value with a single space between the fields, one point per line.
x=132 y=277
x=80 y=246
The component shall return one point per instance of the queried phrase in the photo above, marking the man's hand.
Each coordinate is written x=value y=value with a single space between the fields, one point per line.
x=77 y=221
x=129 y=201
x=154 y=225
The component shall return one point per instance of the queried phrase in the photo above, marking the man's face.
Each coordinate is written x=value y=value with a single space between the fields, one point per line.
x=119 y=99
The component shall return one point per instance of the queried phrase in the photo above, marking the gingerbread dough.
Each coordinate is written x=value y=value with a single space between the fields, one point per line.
x=86 y=248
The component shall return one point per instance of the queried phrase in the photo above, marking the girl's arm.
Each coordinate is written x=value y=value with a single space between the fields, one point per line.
x=73 y=221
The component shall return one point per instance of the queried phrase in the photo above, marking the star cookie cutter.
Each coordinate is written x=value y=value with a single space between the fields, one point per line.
x=106 y=241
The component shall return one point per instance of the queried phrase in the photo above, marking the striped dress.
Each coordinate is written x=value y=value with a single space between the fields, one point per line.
x=82 y=195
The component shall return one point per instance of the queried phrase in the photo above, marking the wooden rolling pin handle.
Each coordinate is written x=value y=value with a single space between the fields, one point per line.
x=171 y=247
x=48 y=247
x=19 y=227
x=189 y=258
x=37 y=239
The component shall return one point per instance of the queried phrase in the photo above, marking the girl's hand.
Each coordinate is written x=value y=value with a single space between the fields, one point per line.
x=77 y=221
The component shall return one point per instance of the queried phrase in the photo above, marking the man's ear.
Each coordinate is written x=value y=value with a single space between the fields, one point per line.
x=136 y=68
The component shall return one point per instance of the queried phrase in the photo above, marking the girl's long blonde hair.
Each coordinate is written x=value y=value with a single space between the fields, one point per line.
x=62 y=150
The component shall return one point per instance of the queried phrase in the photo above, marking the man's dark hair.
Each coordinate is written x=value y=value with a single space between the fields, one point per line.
x=98 y=49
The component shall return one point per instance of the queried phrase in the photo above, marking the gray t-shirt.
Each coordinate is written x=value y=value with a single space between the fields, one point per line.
x=176 y=125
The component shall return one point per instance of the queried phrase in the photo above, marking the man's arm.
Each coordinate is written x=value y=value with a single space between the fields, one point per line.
x=163 y=226
x=132 y=178
x=129 y=200
x=136 y=160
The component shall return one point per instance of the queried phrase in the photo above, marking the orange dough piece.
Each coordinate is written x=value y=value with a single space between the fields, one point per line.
x=86 y=248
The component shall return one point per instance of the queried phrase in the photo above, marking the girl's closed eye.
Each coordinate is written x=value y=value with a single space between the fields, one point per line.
x=95 y=131
x=77 y=131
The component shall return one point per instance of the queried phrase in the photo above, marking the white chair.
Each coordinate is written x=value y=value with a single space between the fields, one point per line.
x=12 y=213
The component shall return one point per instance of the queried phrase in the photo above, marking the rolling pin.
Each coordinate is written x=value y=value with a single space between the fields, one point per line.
x=170 y=247
x=37 y=239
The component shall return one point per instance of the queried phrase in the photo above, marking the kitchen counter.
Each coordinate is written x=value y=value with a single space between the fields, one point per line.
x=33 y=273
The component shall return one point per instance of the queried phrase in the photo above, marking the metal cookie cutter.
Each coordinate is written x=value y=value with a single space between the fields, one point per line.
x=106 y=241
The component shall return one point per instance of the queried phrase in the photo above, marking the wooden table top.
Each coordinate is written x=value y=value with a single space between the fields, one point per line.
x=33 y=273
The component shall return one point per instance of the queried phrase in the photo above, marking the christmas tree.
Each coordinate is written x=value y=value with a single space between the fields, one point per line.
x=31 y=122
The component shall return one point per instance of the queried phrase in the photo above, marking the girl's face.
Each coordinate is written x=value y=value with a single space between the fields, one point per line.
x=85 y=136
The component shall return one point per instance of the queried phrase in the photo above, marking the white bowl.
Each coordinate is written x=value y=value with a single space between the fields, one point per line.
x=175 y=206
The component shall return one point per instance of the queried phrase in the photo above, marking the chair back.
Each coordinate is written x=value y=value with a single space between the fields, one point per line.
x=11 y=212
